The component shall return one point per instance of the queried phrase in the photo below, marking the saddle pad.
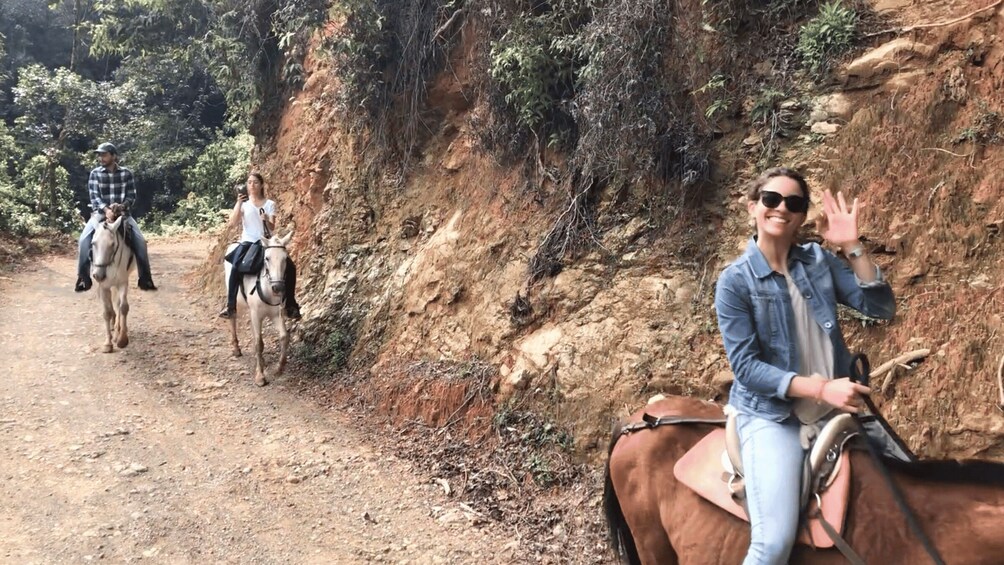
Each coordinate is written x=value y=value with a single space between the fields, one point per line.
x=700 y=469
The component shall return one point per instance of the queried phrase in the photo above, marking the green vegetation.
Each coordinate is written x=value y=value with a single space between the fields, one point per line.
x=324 y=354
x=536 y=63
x=541 y=446
x=826 y=36
x=771 y=120
x=385 y=53
x=720 y=102
x=175 y=84
x=984 y=128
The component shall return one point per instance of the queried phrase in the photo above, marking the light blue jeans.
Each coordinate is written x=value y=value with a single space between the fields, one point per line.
x=772 y=460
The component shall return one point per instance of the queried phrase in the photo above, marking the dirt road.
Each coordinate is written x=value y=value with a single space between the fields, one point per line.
x=166 y=452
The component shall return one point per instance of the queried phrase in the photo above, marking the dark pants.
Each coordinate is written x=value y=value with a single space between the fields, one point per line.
x=233 y=285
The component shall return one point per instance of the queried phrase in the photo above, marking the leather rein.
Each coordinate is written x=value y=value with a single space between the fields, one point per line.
x=257 y=283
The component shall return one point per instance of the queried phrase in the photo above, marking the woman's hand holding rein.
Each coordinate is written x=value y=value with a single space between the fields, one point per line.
x=842 y=394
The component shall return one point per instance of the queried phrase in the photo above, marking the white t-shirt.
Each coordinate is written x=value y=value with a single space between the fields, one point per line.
x=254 y=229
x=815 y=351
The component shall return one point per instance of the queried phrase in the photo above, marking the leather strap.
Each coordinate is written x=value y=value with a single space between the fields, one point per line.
x=648 y=422
x=838 y=541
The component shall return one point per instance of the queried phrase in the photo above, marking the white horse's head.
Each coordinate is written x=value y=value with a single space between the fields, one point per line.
x=106 y=246
x=275 y=261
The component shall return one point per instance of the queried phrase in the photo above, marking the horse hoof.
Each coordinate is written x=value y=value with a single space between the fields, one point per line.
x=237 y=353
x=260 y=381
x=123 y=343
x=107 y=348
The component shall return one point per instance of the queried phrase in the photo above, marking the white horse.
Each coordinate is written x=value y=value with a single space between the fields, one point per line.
x=264 y=293
x=111 y=262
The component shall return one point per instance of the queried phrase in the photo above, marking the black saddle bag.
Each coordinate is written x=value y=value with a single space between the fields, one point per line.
x=247 y=257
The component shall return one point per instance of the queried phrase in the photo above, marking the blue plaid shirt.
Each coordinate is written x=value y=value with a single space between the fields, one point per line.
x=106 y=187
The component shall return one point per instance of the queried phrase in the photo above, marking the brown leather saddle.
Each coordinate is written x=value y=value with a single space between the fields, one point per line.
x=715 y=474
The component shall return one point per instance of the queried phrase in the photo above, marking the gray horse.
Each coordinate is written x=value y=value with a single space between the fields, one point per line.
x=111 y=262
x=264 y=292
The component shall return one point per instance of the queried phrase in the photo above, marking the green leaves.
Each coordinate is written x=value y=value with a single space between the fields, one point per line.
x=828 y=35
x=536 y=64
x=60 y=103
x=221 y=165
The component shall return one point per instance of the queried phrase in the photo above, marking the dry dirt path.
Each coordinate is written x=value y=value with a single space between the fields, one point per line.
x=166 y=452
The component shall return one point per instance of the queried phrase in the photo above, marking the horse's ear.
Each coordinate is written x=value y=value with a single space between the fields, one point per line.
x=285 y=241
x=263 y=241
x=118 y=222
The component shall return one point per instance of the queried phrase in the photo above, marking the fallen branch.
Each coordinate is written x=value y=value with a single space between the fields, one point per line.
x=946 y=151
x=446 y=26
x=901 y=360
x=1000 y=384
x=905 y=29
x=890 y=366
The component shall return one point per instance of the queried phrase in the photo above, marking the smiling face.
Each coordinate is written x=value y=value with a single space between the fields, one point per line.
x=780 y=222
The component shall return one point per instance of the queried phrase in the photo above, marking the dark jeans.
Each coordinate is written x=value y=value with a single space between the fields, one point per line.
x=134 y=239
x=233 y=285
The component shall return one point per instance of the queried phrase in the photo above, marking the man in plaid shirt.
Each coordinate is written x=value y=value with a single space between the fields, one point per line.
x=111 y=184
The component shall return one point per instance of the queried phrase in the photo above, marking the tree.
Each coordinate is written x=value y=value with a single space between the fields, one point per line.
x=55 y=107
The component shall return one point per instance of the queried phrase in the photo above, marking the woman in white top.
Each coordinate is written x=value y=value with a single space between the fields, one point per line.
x=256 y=213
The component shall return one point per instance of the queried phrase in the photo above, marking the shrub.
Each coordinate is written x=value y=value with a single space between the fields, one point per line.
x=827 y=35
x=325 y=353
x=221 y=165
x=985 y=127
x=385 y=53
x=538 y=444
x=192 y=213
x=772 y=121
x=55 y=205
x=535 y=66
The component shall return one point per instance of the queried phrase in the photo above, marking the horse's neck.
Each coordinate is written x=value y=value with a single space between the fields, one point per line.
x=980 y=516
x=962 y=519
x=264 y=289
x=122 y=262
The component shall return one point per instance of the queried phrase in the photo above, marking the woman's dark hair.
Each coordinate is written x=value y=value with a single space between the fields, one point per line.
x=755 y=186
x=261 y=179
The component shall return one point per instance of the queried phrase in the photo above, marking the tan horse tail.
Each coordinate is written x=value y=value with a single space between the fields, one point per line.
x=621 y=540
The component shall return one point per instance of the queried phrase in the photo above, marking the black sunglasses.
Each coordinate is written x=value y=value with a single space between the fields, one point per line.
x=795 y=204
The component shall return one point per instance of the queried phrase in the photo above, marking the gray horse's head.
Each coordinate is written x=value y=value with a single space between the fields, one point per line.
x=275 y=261
x=105 y=247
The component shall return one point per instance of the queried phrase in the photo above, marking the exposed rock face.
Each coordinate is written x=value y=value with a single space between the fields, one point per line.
x=428 y=262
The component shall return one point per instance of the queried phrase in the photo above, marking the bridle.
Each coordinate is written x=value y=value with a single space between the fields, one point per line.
x=268 y=276
x=118 y=247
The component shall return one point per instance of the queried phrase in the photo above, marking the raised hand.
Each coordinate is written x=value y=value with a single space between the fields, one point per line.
x=838 y=224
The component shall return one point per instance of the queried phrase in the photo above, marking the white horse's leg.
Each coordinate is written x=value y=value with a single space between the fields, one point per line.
x=259 y=346
x=121 y=327
x=280 y=325
x=108 y=312
x=234 y=345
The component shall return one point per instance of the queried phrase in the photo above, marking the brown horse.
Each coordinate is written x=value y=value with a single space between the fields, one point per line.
x=653 y=519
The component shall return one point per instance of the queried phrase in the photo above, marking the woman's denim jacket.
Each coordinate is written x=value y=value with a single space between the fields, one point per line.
x=757 y=322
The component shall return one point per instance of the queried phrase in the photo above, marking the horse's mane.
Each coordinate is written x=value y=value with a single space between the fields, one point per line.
x=953 y=471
